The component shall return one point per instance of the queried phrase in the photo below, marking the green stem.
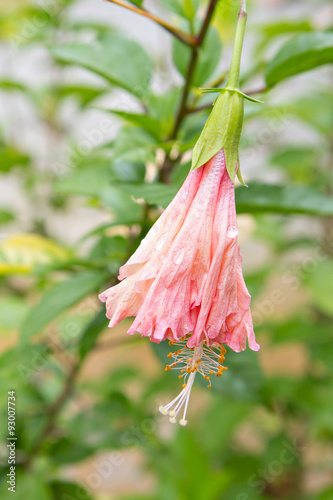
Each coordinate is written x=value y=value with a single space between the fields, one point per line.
x=233 y=81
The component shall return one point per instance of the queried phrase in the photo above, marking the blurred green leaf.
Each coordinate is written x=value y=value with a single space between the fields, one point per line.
x=87 y=181
x=148 y=123
x=209 y=57
x=321 y=286
x=317 y=112
x=255 y=199
x=270 y=31
x=6 y=217
x=125 y=210
x=184 y=8
x=58 y=299
x=282 y=27
x=10 y=157
x=83 y=93
x=302 y=165
x=92 y=332
x=6 y=84
x=302 y=53
x=64 y=490
x=282 y=199
x=155 y=194
x=121 y=61
x=27 y=486
x=162 y=107
x=12 y=311
x=69 y=451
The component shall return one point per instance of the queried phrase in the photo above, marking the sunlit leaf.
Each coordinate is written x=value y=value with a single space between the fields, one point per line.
x=22 y=253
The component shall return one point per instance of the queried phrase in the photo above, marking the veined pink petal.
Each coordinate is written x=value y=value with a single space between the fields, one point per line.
x=186 y=276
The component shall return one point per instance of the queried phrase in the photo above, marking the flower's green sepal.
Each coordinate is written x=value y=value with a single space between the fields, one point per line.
x=239 y=175
x=222 y=130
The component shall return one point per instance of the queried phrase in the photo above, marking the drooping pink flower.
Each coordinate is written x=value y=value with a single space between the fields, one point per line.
x=185 y=283
x=186 y=275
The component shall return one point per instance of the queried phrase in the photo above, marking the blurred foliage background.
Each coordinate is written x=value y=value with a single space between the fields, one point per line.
x=89 y=155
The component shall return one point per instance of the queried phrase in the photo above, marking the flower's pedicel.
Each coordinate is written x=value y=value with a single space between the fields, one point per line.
x=185 y=280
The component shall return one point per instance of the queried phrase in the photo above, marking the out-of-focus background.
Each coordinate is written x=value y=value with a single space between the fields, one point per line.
x=89 y=156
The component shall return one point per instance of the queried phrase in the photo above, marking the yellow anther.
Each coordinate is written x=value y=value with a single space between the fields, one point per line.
x=170 y=355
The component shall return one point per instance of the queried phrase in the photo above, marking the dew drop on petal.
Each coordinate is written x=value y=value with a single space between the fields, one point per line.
x=232 y=231
x=179 y=258
x=161 y=242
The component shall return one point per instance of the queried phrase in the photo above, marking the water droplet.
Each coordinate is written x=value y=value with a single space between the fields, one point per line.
x=161 y=242
x=179 y=258
x=232 y=231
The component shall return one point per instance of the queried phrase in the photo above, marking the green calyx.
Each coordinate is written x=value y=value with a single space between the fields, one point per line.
x=222 y=130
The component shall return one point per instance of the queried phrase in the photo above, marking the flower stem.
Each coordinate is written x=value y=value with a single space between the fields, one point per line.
x=191 y=68
x=184 y=37
x=233 y=81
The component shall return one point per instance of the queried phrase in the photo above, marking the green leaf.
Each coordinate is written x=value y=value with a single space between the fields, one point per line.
x=6 y=216
x=10 y=157
x=300 y=164
x=282 y=27
x=136 y=2
x=302 y=53
x=320 y=284
x=12 y=311
x=209 y=57
x=121 y=61
x=62 y=296
x=183 y=8
x=132 y=145
x=27 y=486
x=83 y=93
x=317 y=112
x=87 y=181
x=64 y=490
x=282 y=199
x=126 y=211
x=92 y=332
x=155 y=194
x=162 y=107
x=148 y=123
